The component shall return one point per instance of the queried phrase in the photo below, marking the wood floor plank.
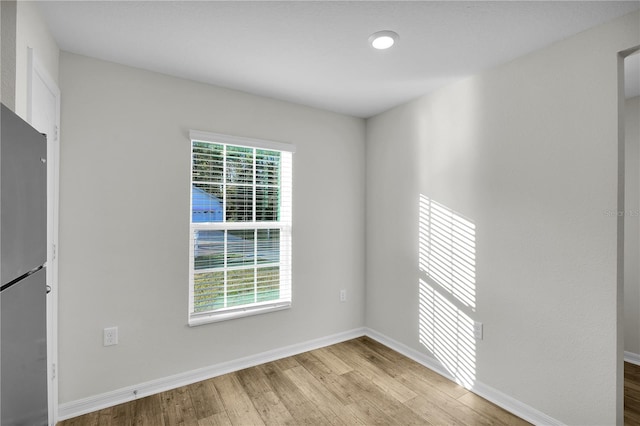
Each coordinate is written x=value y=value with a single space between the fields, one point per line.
x=357 y=399
x=285 y=363
x=298 y=405
x=335 y=364
x=330 y=406
x=148 y=411
x=264 y=398
x=104 y=417
x=397 y=413
x=631 y=394
x=335 y=383
x=441 y=403
x=122 y=414
x=91 y=419
x=416 y=381
x=447 y=414
x=631 y=419
x=237 y=403
x=378 y=358
x=205 y=399
x=218 y=419
x=434 y=413
x=373 y=372
x=632 y=371
x=177 y=408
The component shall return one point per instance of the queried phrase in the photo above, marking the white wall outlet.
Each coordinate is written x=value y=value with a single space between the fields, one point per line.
x=343 y=295
x=110 y=336
x=477 y=330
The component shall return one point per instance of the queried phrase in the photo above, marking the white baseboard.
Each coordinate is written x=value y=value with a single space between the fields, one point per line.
x=129 y=393
x=632 y=358
x=503 y=400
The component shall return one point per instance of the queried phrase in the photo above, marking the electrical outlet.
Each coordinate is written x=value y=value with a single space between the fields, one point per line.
x=478 y=330
x=343 y=295
x=110 y=336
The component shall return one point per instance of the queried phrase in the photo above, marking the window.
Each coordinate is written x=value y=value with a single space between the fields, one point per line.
x=240 y=234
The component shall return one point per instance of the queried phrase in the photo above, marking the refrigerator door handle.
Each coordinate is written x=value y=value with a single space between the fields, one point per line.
x=20 y=278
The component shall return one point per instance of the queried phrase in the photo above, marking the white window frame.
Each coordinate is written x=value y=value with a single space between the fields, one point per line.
x=284 y=225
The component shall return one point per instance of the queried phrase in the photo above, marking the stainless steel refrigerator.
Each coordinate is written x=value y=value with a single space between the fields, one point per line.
x=23 y=253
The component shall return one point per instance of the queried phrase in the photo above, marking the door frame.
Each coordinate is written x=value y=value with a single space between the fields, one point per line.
x=620 y=236
x=35 y=70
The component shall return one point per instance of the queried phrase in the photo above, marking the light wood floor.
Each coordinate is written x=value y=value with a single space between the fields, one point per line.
x=355 y=382
x=631 y=394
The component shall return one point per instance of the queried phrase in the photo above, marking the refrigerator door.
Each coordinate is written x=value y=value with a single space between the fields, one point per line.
x=23 y=389
x=23 y=197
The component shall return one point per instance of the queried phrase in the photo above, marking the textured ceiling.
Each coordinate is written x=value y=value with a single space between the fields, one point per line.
x=316 y=53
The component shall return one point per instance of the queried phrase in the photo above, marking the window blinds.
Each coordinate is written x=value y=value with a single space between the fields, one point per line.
x=240 y=233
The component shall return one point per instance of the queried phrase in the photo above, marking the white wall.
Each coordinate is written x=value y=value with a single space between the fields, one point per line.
x=632 y=227
x=32 y=32
x=528 y=153
x=124 y=222
x=8 y=53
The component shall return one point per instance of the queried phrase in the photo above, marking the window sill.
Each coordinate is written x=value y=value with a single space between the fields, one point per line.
x=201 y=319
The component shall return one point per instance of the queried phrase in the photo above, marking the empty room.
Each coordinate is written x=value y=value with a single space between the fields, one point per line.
x=320 y=212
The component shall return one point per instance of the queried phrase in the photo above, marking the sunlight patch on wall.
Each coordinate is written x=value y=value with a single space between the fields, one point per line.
x=447 y=252
x=448 y=333
x=447 y=288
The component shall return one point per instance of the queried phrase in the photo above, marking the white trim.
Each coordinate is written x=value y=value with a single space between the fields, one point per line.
x=35 y=70
x=503 y=400
x=632 y=358
x=221 y=226
x=240 y=140
x=240 y=312
x=109 y=399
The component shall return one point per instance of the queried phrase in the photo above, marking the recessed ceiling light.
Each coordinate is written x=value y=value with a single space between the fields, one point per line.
x=383 y=39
